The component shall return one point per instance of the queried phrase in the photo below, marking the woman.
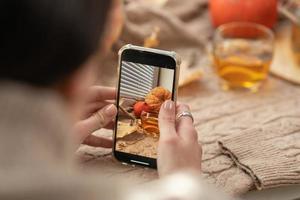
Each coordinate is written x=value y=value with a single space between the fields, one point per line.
x=48 y=65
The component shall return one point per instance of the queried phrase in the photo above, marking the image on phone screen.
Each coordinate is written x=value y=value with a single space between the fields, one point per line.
x=142 y=90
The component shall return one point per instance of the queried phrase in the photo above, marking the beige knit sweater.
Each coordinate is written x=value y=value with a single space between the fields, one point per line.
x=270 y=154
x=249 y=140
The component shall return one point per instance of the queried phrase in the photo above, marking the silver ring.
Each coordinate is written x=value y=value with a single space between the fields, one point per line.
x=184 y=114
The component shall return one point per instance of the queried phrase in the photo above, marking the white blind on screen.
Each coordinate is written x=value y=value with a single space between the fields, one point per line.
x=137 y=79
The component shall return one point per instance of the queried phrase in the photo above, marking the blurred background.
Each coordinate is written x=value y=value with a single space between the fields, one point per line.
x=195 y=30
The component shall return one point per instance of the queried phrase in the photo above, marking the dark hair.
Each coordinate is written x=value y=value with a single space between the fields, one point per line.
x=43 y=41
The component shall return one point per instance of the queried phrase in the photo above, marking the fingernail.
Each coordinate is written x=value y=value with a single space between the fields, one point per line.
x=110 y=110
x=168 y=105
x=171 y=105
x=165 y=105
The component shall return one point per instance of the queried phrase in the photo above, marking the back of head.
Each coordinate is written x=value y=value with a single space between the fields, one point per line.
x=43 y=41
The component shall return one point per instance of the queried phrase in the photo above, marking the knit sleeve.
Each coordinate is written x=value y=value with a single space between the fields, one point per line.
x=269 y=154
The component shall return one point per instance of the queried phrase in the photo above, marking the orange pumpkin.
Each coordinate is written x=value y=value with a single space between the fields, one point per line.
x=156 y=97
x=259 y=11
x=139 y=107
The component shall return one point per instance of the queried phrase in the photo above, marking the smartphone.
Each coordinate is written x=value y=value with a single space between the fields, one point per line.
x=147 y=78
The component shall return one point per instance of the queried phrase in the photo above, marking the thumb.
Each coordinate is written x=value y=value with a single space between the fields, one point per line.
x=166 y=120
x=98 y=120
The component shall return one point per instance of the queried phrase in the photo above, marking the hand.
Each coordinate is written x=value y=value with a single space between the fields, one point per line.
x=178 y=147
x=99 y=113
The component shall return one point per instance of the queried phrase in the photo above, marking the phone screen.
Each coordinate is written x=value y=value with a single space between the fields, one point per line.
x=142 y=90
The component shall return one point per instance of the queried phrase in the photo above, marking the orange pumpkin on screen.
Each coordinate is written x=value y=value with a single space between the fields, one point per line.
x=259 y=11
x=139 y=107
x=156 y=97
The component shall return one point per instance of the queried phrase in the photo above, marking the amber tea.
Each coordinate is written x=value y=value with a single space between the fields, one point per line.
x=150 y=123
x=242 y=58
x=240 y=64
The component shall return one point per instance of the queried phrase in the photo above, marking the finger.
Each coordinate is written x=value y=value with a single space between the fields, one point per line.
x=178 y=103
x=166 y=120
x=97 y=141
x=182 y=108
x=92 y=107
x=185 y=126
x=110 y=125
x=98 y=120
x=100 y=93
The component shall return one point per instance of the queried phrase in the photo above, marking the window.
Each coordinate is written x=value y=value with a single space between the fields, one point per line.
x=137 y=79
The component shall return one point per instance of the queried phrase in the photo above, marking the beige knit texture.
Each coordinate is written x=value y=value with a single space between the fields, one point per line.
x=270 y=153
